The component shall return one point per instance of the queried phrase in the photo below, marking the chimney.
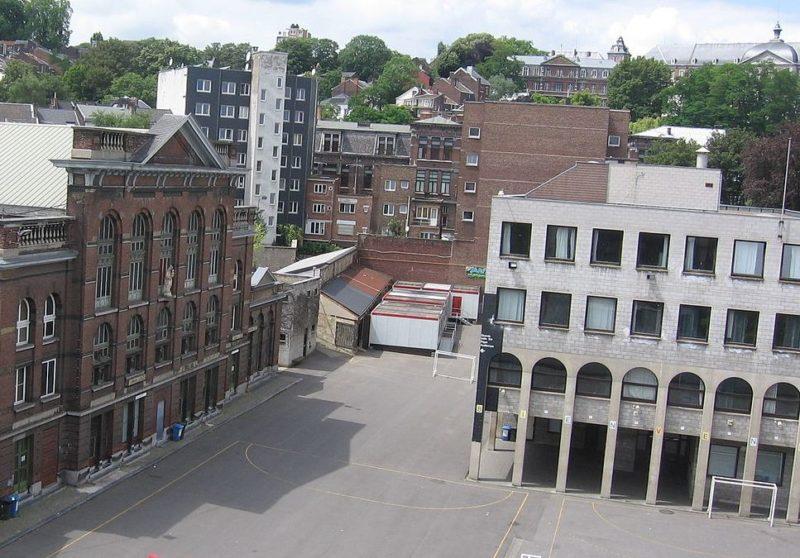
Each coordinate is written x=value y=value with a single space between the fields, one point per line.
x=702 y=158
x=669 y=131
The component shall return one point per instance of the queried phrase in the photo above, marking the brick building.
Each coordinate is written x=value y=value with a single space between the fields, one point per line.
x=462 y=85
x=127 y=309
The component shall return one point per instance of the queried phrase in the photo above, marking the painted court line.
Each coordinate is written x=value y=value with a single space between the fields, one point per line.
x=510 y=525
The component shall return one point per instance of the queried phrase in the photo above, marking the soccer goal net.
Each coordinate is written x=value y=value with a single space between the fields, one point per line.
x=455 y=366
x=717 y=483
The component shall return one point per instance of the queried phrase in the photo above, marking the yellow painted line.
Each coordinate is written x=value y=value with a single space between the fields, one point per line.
x=558 y=525
x=142 y=501
x=510 y=526
x=369 y=500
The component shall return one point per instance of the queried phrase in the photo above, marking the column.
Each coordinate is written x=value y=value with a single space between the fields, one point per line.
x=658 y=445
x=492 y=429
x=566 y=434
x=611 y=438
x=522 y=423
x=703 y=449
x=750 y=455
x=793 y=508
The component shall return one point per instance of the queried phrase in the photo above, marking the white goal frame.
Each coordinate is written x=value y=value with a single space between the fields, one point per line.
x=473 y=359
x=771 y=486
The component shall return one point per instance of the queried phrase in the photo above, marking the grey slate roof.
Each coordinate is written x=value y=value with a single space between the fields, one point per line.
x=438 y=121
x=703 y=53
x=56 y=116
x=355 y=300
x=17 y=112
x=583 y=62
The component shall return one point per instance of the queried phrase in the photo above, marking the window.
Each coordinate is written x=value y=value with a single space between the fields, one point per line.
x=48 y=377
x=277 y=128
x=686 y=390
x=263 y=95
x=470 y=187
x=244 y=112
x=560 y=243
x=769 y=466
x=613 y=141
x=330 y=142
x=640 y=384
x=390 y=185
x=515 y=240
x=315 y=227
x=299 y=116
x=280 y=82
x=163 y=337
x=403 y=209
x=262 y=118
x=260 y=142
x=468 y=216
x=601 y=314
x=472 y=159
x=241 y=159
x=419 y=184
x=300 y=95
x=227 y=111
x=193 y=249
x=606 y=247
x=136 y=269
x=284 y=141
x=134 y=345
x=388 y=209
x=474 y=133
x=734 y=395
x=297 y=140
x=21 y=385
x=554 y=311
x=505 y=370
x=653 y=251
x=202 y=109
x=278 y=104
x=167 y=258
x=433 y=182
x=318 y=208
x=294 y=207
x=217 y=234
x=445 y=184
x=790 y=263
x=106 y=244
x=701 y=254
x=274 y=175
x=510 y=305
x=385 y=145
x=205 y=131
x=693 y=323
x=748 y=259
x=228 y=88
x=237 y=276
x=347 y=207
x=280 y=207
x=787 y=332
x=646 y=319
x=49 y=318
x=741 y=328
x=226 y=134
x=204 y=86
x=284 y=161
x=212 y=321
x=404 y=184
x=297 y=162
x=422 y=142
x=723 y=461
x=189 y=328
x=244 y=88
x=102 y=355
x=295 y=185
x=782 y=400
x=23 y=322
x=241 y=136
x=257 y=189
x=319 y=188
x=549 y=374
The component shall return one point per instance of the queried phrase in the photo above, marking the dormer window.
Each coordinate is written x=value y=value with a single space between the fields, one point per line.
x=385 y=145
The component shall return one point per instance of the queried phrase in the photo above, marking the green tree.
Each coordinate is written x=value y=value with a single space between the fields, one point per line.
x=114 y=120
x=288 y=232
x=501 y=86
x=584 y=98
x=678 y=153
x=359 y=112
x=300 y=51
x=328 y=112
x=764 y=161
x=639 y=85
x=13 y=20
x=726 y=150
x=48 y=22
x=326 y=54
x=469 y=50
x=23 y=84
x=399 y=74
x=644 y=124
x=327 y=81
x=133 y=85
x=393 y=114
x=90 y=77
x=156 y=54
x=97 y=37
x=543 y=99
x=228 y=55
x=365 y=55
x=396 y=227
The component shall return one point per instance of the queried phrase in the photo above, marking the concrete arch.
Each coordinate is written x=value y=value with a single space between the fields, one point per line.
x=594 y=379
x=782 y=400
x=686 y=389
x=505 y=369
x=549 y=374
x=734 y=395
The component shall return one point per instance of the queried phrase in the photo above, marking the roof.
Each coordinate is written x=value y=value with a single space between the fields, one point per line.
x=373 y=126
x=703 y=53
x=262 y=276
x=17 y=112
x=28 y=177
x=475 y=75
x=411 y=310
x=701 y=136
x=316 y=261
x=583 y=61
x=57 y=116
x=438 y=121
x=167 y=126
x=88 y=111
x=358 y=289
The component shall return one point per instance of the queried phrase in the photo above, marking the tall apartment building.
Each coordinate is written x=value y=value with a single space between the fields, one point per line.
x=644 y=340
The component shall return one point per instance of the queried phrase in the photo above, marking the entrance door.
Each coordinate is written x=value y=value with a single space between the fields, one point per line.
x=305 y=342
x=49 y=468
x=210 y=392
x=234 y=383
x=101 y=436
x=23 y=464
x=188 y=389
x=160 y=421
x=456 y=312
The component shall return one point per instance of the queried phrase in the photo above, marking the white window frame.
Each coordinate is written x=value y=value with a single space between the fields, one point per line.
x=201 y=86
x=297 y=140
x=21 y=384
x=227 y=89
x=49 y=369
x=319 y=188
x=474 y=135
x=473 y=189
x=280 y=206
x=23 y=322
x=263 y=95
x=227 y=111
x=299 y=117
x=297 y=162
x=295 y=185
x=49 y=318
x=294 y=207
x=318 y=208
x=202 y=109
x=388 y=210
x=300 y=94
x=244 y=89
x=465 y=218
x=472 y=159
x=225 y=134
x=241 y=136
x=390 y=185
x=614 y=141
x=244 y=112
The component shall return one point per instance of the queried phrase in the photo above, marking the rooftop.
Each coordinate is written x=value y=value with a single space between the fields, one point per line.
x=17 y=112
x=357 y=289
x=358 y=126
x=701 y=136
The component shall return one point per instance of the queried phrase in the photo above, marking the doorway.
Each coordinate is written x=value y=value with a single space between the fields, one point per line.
x=188 y=389
x=132 y=415
x=586 y=454
x=541 y=452
x=101 y=436
x=456 y=312
x=210 y=389
x=676 y=476
x=632 y=463
x=160 y=420
x=23 y=469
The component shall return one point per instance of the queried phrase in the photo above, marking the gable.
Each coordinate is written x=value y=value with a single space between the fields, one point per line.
x=559 y=60
x=768 y=56
x=177 y=151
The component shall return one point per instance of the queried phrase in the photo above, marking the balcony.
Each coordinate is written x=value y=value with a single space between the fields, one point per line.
x=244 y=218
x=26 y=235
x=426 y=222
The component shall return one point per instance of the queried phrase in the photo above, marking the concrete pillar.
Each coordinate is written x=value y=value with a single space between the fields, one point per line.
x=658 y=445
x=793 y=507
x=475 y=450
x=750 y=455
x=492 y=429
x=612 y=428
x=522 y=424
x=566 y=434
x=703 y=449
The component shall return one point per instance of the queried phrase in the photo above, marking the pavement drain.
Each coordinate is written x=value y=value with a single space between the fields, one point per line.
x=666 y=512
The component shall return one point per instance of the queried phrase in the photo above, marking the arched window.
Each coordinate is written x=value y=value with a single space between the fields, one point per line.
x=23 y=322
x=549 y=374
x=163 y=338
x=102 y=355
x=734 y=395
x=49 y=318
x=594 y=380
x=217 y=235
x=640 y=384
x=237 y=275
x=686 y=390
x=106 y=240
x=138 y=272
x=212 y=320
x=169 y=230
x=505 y=370
x=189 y=328
x=783 y=401
x=193 y=252
x=134 y=346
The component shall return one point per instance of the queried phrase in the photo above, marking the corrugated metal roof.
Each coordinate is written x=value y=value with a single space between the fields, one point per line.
x=27 y=177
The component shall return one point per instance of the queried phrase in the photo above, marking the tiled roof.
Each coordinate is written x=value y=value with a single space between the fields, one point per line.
x=56 y=116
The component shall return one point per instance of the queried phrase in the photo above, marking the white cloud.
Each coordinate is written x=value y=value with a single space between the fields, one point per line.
x=416 y=26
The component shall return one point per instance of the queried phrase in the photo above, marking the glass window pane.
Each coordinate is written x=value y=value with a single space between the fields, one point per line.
x=693 y=322
x=600 y=313
x=560 y=244
x=748 y=258
x=722 y=461
x=510 y=305
x=790 y=266
x=787 y=332
x=653 y=250
x=742 y=327
x=607 y=247
x=769 y=466
x=555 y=309
x=515 y=239
x=647 y=318
x=701 y=254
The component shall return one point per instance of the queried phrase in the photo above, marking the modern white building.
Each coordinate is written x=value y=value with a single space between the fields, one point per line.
x=639 y=344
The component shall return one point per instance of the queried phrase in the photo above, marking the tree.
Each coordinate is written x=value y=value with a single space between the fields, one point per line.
x=503 y=60
x=156 y=54
x=300 y=51
x=678 y=153
x=365 y=55
x=327 y=81
x=399 y=74
x=469 y=50
x=133 y=85
x=764 y=161
x=48 y=22
x=639 y=84
x=90 y=78
x=726 y=151
x=396 y=227
x=361 y=111
x=97 y=37
x=326 y=54
x=23 y=84
x=288 y=232
x=13 y=20
x=328 y=112
x=644 y=124
x=394 y=114
x=501 y=87
x=228 y=55
x=114 y=120
x=584 y=98
x=543 y=99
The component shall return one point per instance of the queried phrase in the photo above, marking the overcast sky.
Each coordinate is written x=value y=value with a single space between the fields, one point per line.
x=416 y=26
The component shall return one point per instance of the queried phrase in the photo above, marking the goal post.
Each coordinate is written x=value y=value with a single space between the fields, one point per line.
x=451 y=372
x=770 y=486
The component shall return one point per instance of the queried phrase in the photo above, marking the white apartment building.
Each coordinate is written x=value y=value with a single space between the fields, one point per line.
x=639 y=345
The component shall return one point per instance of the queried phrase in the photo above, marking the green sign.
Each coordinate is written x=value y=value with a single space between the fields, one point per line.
x=474 y=272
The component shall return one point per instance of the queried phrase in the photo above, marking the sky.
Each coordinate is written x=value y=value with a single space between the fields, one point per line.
x=415 y=27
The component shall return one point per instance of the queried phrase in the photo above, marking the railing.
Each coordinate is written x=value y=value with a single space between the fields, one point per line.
x=426 y=222
x=29 y=234
x=112 y=141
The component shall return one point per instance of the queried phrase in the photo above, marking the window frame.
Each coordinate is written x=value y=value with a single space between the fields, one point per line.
x=686 y=268
x=737 y=344
x=511 y=225
x=680 y=339
x=543 y=305
x=49 y=377
x=203 y=89
x=635 y=333
x=593 y=254
x=647 y=267
x=763 y=258
x=474 y=188
x=551 y=241
x=775 y=346
x=49 y=318
x=783 y=262
x=586 y=315
x=497 y=305
x=472 y=135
